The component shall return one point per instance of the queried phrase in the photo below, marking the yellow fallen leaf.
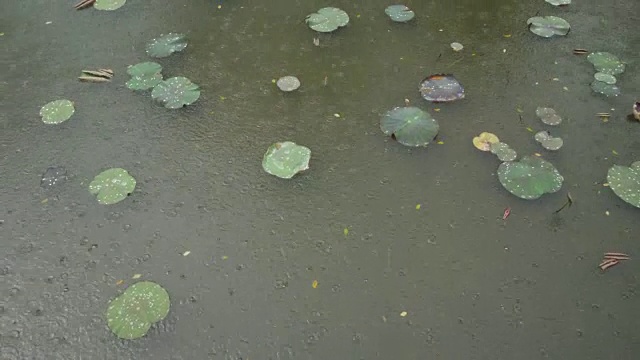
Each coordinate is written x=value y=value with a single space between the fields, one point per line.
x=219 y=6
x=222 y=98
x=314 y=284
x=336 y=115
x=136 y=276
x=507 y=35
x=436 y=109
x=441 y=142
x=273 y=81
x=518 y=109
x=44 y=201
x=537 y=154
x=614 y=152
x=418 y=207
x=403 y=314
x=346 y=231
x=225 y=257
x=605 y=184
x=529 y=129
x=119 y=282
x=186 y=253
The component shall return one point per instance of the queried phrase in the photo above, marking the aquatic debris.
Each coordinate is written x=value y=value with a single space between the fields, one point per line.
x=285 y=159
x=548 y=116
x=456 y=46
x=166 y=45
x=288 y=83
x=441 y=88
x=547 y=141
x=176 y=92
x=548 y=26
x=410 y=126
x=399 y=13
x=483 y=141
x=612 y=259
x=636 y=110
x=54 y=175
x=112 y=186
x=580 y=51
x=503 y=151
x=625 y=182
x=506 y=213
x=529 y=178
x=83 y=4
x=327 y=19
x=100 y=75
x=130 y=315
x=57 y=111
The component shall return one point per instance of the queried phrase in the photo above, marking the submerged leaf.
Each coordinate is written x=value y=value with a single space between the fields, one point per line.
x=57 y=111
x=529 y=178
x=548 y=26
x=176 y=92
x=285 y=159
x=112 y=186
x=625 y=182
x=327 y=19
x=399 y=13
x=130 y=315
x=166 y=45
x=410 y=126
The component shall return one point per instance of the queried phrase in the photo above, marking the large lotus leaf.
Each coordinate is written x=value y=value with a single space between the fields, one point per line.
x=529 y=178
x=130 y=315
x=607 y=63
x=176 y=92
x=144 y=75
x=399 y=13
x=285 y=159
x=166 y=45
x=57 y=111
x=625 y=182
x=327 y=19
x=112 y=186
x=410 y=126
x=108 y=5
x=605 y=89
x=548 y=26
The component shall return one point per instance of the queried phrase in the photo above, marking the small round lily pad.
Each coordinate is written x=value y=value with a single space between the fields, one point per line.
x=176 y=92
x=285 y=159
x=483 y=141
x=166 y=45
x=625 y=182
x=144 y=75
x=108 y=5
x=548 y=116
x=112 y=186
x=288 y=83
x=130 y=315
x=399 y=13
x=327 y=19
x=410 y=126
x=57 y=111
x=548 y=26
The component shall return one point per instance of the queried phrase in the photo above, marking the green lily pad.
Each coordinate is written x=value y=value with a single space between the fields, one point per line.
x=548 y=26
x=285 y=159
x=410 y=126
x=144 y=75
x=529 y=178
x=176 y=92
x=558 y=2
x=166 y=45
x=503 y=151
x=548 y=116
x=112 y=186
x=603 y=88
x=605 y=78
x=625 y=182
x=607 y=63
x=327 y=19
x=130 y=315
x=108 y=5
x=399 y=13
x=57 y=111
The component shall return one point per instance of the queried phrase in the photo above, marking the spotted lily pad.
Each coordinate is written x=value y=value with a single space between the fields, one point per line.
x=327 y=19
x=607 y=63
x=503 y=151
x=176 y=92
x=57 y=111
x=166 y=45
x=548 y=116
x=547 y=141
x=130 y=315
x=144 y=75
x=529 y=178
x=548 y=26
x=285 y=159
x=112 y=186
x=625 y=182
x=605 y=89
x=441 y=88
x=410 y=126
x=605 y=78
x=399 y=13
x=108 y=5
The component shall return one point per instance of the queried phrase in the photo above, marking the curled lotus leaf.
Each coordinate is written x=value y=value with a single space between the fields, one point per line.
x=130 y=315
x=548 y=116
x=327 y=19
x=548 y=26
x=176 y=92
x=503 y=151
x=285 y=159
x=57 y=111
x=112 y=186
x=605 y=62
x=529 y=178
x=483 y=141
x=625 y=182
x=166 y=45
x=399 y=13
x=410 y=126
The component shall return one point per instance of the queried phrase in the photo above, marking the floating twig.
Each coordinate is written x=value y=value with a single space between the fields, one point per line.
x=568 y=203
x=580 y=51
x=95 y=79
x=84 y=4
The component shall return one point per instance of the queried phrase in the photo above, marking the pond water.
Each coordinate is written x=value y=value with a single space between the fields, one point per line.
x=448 y=279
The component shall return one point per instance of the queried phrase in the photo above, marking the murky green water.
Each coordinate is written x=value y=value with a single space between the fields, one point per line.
x=473 y=286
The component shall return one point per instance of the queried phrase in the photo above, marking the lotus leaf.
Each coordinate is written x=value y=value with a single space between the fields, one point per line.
x=112 y=186
x=108 y=5
x=57 y=111
x=603 y=88
x=285 y=159
x=399 y=13
x=503 y=151
x=625 y=182
x=548 y=26
x=327 y=19
x=130 y=315
x=529 y=178
x=558 y=2
x=552 y=143
x=176 y=92
x=144 y=75
x=410 y=126
x=288 y=83
x=605 y=78
x=541 y=136
x=166 y=45
x=483 y=141
x=607 y=63
x=548 y=116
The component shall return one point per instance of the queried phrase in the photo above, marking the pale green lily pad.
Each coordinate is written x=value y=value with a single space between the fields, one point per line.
x=607 y=63
x=558 y=2
x=108 y=5
x=112 y=186
x=144 y=75
x=399 y=13
x=176 y=92
x=605 y=78
x=166 y=45
x=625 y=182
x=327 y=19
x=130 y=315
x=530 y=178
x=410 y=126
x=548 y=26
x=503 y=151
x=285 y=159
x=548 y=116
x=57 y=111
x=603 y=88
